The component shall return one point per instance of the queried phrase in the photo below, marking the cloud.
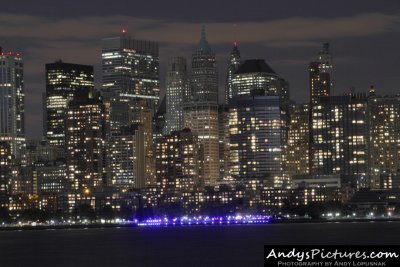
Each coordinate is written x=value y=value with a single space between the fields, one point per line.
x=43 y=39
x=281 y=30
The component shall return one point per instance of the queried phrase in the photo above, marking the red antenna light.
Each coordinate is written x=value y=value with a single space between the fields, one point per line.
x=123 y=30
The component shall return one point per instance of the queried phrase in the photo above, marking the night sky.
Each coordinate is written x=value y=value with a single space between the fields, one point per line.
x=364 y=37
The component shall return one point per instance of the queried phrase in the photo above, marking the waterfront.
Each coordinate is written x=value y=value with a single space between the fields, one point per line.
x=235 y=245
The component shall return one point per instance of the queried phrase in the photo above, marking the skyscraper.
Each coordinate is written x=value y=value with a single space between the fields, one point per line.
x=177 y=93
x=12 y=97
x=5 y=168
x=127 y=158
x=340 y=137
x=233 y=65
x=201 y=111
x=257 y=143
x=204 y=76
x=321 y=75
x=384 y=135
x=258 y=125
x=130 y=73
x=298 y=140
x=130 y=70
x=86 y=143
x=62 y=82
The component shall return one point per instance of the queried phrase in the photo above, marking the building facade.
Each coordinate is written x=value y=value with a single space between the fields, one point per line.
x=62 y=81
x=126 y=155
x=257 y=140
x=233 y=65
x=86 y=144
x=321 y=75
x=12 y=97
x=340 y=137
x=177 y=93
x=179 y=156
x=384 y=137
x=201 y=110
x=5 y=168
x=298 y=141
x=130 y=70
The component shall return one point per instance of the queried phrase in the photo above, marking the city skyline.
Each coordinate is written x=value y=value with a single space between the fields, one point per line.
x=362 y=37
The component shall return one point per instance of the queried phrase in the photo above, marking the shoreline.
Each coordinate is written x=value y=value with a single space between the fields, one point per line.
x=136 y=225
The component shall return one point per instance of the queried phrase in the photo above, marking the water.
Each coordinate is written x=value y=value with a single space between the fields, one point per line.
x=239 y=245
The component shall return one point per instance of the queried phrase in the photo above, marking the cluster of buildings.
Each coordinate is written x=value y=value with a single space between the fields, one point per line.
x=124 y=146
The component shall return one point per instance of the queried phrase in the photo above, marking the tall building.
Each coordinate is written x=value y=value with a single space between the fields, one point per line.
x=130 y=73
x=201 y=111
x=177 y=93
x=142 y=116
x=340 y=137
x=5 y=168
x=62 y=81
x=130 y=70
x=384 y=134
x=204 y=76
x=179 y=156
x=321 y=75
x=12 y=97
x=257 y=140
x=160 y=119
x=223 y=141
x=86 y=143
x=127 y=158
x=233 y=65
x=298 y=141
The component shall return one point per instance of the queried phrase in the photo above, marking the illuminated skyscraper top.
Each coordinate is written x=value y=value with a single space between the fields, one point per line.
x=321 y=79
x=130 y=69
x=12 y=96
x=204 y=76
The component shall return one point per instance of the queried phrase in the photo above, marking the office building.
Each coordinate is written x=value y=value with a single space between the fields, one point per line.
x=12 y=97
x=257 y=140
x=177 y=93
x=85 y=124
x=130 y=73
x=340 y=137
x=5 y=168
x=201 y=110
x=298 y=140
x=127 y=158
x=233 y=65
x=384 y=134
x=179 y=155
x=321 y=75
x=62 y=81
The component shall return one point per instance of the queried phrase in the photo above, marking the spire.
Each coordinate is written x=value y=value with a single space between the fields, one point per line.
x=203 y=47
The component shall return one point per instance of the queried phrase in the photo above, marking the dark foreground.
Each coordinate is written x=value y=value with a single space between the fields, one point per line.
x=209 y=246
